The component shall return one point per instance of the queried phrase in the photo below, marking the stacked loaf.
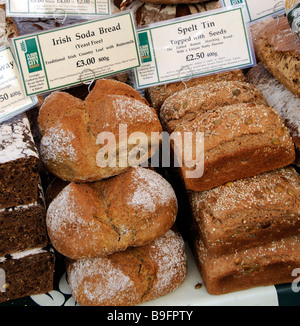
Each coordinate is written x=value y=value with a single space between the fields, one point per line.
x=277 y=74
x=244 y=208
x=26 y=264
x=113 y=222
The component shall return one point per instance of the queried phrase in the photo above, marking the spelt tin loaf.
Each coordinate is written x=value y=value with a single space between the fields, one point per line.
x=249 y=212
x=278 y=48
x=186 y=105
x=281 y=99
x=83 y=141
x=130 y=277
x=239 y=141
x=265 y=265
x=156 y=95
x=88 y=220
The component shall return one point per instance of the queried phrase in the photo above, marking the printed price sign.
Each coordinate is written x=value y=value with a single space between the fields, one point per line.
x=257 y=10
x=46 y=8
x=76 y=54
x=194 y=46
x=12 y=99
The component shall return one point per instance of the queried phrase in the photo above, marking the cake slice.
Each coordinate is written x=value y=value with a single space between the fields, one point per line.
x=19 y=163
x=23 y=227
x=26 y=273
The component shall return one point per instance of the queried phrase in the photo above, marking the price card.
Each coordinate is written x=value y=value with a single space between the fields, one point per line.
x=50 y=8
x=12 y=99
x=197 y=45
x=257 y=10
x=76 y=54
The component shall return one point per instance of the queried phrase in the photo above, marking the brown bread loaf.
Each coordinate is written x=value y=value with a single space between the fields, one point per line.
x=281 y=99
x=70 y=128
x=248 y=212
x=240 y=140
x=156 y=95
x=131 y=277
x=278 y=48
x=188 y=104
x=88 y=220
x=265 y=265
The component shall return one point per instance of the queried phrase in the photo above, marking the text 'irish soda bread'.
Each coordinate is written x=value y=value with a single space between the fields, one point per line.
x=278 y=48
x=248 y=212
x=90 y=140
x=242 y=135
x=87 y=220
x=130 y=277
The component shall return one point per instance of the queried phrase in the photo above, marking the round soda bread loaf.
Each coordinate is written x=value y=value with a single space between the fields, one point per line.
x=86 y=220
x=130 y=277
x=89 y=140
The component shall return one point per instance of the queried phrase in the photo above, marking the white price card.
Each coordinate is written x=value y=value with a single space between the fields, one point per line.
x=197 y=45
x=12 y=99
x=257 y=10
x=49 y=8
x=77 y=54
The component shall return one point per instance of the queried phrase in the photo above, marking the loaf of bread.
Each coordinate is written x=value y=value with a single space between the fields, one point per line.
x=131 y=277
x=156 y=95
x=186 y=105
x=249 y=212
x=278 y=48
x=87 y=220
x=240 y=140
x=148 y=13
x=83 y=140
x=265 y=265
x=281 y=99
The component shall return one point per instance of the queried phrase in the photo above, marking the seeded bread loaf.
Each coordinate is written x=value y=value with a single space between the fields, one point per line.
x=281 y=99
x=89 y=220
x=240 y=140
x=278 y=48
x=249 y=212
x=265 y=265
x=94 y=139
x=188 y=104
x=131 y=277
x=156 y=95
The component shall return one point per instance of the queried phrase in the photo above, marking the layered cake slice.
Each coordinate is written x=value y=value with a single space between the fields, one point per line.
x=19 y=163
